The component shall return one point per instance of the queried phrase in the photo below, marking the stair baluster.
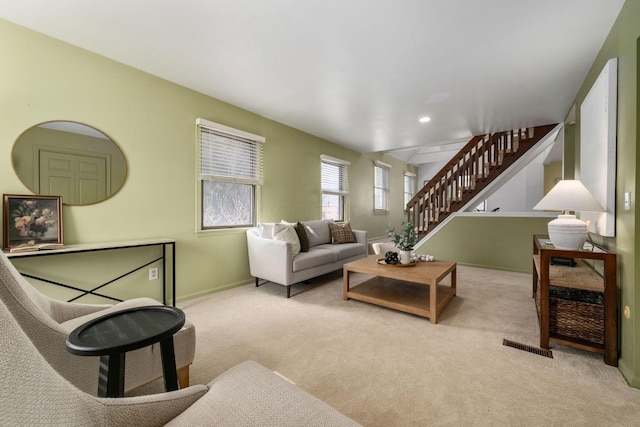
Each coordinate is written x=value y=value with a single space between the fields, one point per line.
x=474 y=167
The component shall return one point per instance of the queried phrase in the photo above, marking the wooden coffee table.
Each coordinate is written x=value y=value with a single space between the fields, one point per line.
x=395 y=287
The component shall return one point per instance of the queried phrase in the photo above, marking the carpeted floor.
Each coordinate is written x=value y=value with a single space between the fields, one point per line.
x=386 y=368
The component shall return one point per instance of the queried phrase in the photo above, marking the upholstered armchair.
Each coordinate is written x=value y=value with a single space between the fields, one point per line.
x=383 y=247
x=48 y=322
x=33 y=394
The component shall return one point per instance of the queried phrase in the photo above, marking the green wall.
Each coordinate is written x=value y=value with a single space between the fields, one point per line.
x=622 y=43
x=491 y=241
x=552 y=172
x=569 y=161
x=153 y=122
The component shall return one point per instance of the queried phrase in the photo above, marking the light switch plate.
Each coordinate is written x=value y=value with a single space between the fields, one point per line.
x=627 y=200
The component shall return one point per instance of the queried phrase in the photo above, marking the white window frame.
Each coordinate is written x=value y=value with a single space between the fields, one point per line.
x=381 y=184
x=329 y=186
x=410 y=191
x=214 y=165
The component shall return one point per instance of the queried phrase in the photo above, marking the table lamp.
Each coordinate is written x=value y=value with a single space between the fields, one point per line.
x=567 y=232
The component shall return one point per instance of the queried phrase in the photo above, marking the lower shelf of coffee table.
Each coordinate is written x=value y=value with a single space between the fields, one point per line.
x=399 y=295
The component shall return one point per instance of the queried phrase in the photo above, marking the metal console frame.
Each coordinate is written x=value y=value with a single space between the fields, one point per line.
x=111 y=246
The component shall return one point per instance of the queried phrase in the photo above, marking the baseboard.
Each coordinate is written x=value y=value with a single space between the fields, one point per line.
x=187 y=297
x=493 y=267
x=379 y=239
x=628 y=374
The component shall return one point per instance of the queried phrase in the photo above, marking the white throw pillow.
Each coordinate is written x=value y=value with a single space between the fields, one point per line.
x=265 y=230
x=287 y=233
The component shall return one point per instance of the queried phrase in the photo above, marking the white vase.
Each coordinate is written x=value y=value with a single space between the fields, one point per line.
x=405 y=257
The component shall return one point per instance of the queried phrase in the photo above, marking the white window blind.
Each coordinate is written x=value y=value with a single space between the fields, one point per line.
x=229 y=170
x=409 y=186
x=381 y=173
x=230 y=157
x=335 y=176
x=334 y=183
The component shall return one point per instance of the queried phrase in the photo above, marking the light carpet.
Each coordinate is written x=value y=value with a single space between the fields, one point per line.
x=382 y=367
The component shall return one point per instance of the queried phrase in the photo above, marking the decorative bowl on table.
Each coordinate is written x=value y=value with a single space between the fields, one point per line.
x=382 y=261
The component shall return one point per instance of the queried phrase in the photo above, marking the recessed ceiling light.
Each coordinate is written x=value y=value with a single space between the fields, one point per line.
x=425 y=119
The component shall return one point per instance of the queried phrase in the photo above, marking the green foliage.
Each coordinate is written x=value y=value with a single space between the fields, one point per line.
x=407 y=238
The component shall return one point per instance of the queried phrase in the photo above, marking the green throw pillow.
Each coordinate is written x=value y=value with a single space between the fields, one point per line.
x=302 y=236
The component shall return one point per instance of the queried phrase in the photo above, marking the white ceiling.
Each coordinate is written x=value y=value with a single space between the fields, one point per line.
x=356 y=72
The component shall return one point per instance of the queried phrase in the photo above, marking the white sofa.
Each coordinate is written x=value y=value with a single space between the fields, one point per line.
x=274 y=260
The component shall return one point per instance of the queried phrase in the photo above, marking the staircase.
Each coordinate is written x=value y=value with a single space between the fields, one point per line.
x=470 y=173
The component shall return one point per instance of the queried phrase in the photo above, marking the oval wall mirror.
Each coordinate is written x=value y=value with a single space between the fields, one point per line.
x=69 y=159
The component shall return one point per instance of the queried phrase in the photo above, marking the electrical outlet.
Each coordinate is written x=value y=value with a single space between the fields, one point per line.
x=153 y=273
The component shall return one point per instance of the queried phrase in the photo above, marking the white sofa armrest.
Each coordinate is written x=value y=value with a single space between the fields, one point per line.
x=269 y=259
x=361 y=236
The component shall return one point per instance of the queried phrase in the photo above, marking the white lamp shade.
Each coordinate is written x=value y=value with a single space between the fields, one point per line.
x=567 y=232
x=569 y=195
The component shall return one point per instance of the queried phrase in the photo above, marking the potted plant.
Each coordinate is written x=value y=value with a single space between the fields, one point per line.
x=404 y=241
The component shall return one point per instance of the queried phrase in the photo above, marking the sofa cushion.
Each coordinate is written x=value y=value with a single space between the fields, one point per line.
x=343 y=251
x=318 y=232
x=314 y=258
x=286 y=233
x=341 y=233
x=302 y=236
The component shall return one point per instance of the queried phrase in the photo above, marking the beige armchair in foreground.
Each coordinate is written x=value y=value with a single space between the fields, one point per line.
x=48 y=322
x=33 y=394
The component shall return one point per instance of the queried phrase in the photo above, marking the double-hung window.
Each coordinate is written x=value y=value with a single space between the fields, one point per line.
x=381 y=172
x=409 y=186
x=334 y=181
x=229 y=174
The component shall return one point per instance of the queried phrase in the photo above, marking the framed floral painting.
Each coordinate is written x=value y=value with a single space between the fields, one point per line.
x=31 y=220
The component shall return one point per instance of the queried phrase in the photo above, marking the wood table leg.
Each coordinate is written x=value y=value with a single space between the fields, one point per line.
x=345 y=281
x=433 y=303
x=453 y=280
x=610 y=312
x=544 y=301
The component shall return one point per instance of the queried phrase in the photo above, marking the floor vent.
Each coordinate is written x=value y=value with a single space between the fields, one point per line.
x=530 y=349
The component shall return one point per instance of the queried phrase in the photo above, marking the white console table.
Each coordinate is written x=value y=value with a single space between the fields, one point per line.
x=93 y=247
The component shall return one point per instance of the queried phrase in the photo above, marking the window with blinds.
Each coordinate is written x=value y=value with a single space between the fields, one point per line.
x=334 y=182
x=409 y=187
x=229 y=172
x=381 y=172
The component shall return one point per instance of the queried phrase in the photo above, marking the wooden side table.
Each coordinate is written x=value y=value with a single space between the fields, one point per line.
x=564 y=296
x=112 y=335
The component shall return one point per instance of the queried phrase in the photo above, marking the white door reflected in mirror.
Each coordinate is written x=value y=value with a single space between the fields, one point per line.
x=69 y=159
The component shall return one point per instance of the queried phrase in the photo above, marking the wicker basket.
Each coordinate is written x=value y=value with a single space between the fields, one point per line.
x=575 y=313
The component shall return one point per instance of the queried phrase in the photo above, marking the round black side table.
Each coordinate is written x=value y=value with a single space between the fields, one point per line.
x=112 y=335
